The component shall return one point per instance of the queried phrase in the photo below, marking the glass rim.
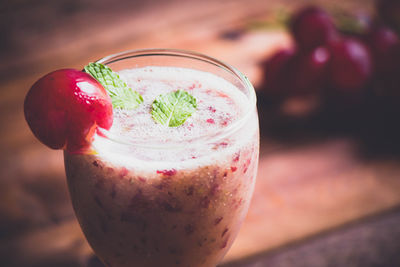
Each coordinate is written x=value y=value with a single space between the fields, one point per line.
x=206 y=138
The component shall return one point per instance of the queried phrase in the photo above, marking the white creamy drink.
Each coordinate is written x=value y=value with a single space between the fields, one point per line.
x=153 y=195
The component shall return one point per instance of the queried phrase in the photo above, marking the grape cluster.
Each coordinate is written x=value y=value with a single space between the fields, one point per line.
x=340 y=68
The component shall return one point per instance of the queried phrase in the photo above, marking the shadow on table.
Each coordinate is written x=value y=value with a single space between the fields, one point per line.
x=369 y=242
x=373 y=126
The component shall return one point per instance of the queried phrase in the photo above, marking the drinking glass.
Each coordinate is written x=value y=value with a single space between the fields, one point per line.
x=139 y=206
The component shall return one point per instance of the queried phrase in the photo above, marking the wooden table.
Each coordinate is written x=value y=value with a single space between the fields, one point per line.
x=310 y=181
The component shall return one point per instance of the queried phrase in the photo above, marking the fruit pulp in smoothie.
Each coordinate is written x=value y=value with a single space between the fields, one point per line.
x=154 y=195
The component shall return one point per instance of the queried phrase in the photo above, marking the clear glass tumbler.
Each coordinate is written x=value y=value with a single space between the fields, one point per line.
x=143 y=211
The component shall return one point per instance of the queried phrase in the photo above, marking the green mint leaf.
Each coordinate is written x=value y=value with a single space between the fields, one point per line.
x=172 y=109
x=121 y=95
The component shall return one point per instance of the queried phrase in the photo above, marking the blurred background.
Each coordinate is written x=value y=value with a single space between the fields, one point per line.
x=327 y=80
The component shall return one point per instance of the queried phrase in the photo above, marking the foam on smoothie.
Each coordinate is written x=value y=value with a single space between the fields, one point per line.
x=219 y=104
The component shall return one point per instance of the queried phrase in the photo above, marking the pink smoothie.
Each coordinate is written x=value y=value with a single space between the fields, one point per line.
x=153 y=195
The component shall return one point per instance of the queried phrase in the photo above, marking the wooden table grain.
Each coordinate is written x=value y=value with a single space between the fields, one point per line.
x=313 y=182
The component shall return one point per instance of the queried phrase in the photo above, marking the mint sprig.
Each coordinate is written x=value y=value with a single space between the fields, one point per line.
x=172 y=109
x=122 y=96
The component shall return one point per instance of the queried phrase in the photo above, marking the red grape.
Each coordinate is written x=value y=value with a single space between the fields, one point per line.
x=312 y=27
x=351 y=65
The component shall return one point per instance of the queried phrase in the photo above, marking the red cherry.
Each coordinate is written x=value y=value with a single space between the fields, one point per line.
x=312 y=27
x=383 y=41
x=351 y=65
x=64 y=107
x=275 y=72
x=308 y=72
